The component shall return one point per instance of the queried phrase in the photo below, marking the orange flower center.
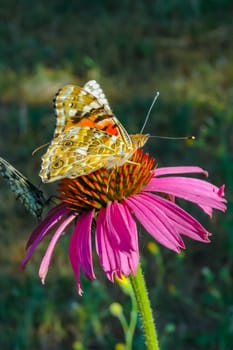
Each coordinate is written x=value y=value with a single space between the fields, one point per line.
x=95 y=190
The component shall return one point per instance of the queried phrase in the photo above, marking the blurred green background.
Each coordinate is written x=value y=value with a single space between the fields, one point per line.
x=184 y=49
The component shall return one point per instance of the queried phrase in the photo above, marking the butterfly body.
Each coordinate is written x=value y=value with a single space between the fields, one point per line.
x=87 y=136
x=31 y=197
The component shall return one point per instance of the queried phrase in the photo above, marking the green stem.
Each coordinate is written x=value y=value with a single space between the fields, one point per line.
x=133 y=321
x=144 y=308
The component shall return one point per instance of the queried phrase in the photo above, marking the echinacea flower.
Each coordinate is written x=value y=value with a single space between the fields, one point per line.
x=105 y=205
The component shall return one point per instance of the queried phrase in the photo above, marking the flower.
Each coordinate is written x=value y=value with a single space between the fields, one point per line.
x=104 y=205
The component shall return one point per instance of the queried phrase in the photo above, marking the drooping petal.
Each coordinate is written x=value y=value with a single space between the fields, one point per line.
x=113 y=260
x=220 y=193
x=155 y=222
x=179 y=170
x=43 y=229
x=186 y=224
x=133 y=261
x=80 y=248
x=124 y=223
x=53 y=216
x=197 y=191
x=120 y=225
x=48 y=255
x=165 y=220
x=109 y=257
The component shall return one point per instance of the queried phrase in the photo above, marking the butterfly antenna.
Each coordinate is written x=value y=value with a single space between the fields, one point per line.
x=174 y=138
x=149 y=111
x=39 y=148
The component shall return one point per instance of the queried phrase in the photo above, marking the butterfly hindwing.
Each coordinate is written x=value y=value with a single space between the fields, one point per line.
x=78 y=151
x=31 y=197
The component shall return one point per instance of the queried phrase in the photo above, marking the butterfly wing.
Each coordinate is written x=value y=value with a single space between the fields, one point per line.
x=32 y=198
x=80 y=151
x=74 y=105
x=87 y=106
x=92 y=135
x=93 y=88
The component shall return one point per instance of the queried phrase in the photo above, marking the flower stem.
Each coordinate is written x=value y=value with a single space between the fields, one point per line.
x=144 y=308
x=133 y=321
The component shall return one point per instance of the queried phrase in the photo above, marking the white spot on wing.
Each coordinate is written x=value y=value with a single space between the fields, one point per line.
x=113 y=139
x=66 y=92
x=94 y=88
x=72 y=112
x=92 y=105
x=82 y=151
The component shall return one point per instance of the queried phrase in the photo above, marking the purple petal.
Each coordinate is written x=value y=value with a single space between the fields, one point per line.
x=165 y=220
x=133 y=261
x=179 y=170
x=155 y=222
x=184 y=222
x=53 y=216
x=42 y=230
x=108 y=256
x=119 y=224
x=197 y=191
x=221 y=191
x=112 y=259
x=48 y=255
x=80 y=248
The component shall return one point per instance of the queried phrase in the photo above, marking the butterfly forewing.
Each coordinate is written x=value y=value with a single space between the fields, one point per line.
x=95 y=90
x=74 y=104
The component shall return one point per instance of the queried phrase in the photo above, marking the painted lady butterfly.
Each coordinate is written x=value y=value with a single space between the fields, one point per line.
x=87 y=136
x=32 y=198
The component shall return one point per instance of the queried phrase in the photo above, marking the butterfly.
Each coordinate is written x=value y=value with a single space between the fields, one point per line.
x=88 y=136
x=32 y=198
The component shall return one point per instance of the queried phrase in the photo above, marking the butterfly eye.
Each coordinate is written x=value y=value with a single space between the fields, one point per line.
x=58 y=164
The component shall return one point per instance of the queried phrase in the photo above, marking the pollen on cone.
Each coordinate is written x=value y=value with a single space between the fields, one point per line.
x=107 y=185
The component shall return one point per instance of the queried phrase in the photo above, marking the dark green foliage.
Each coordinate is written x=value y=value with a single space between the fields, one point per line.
x=133 y=48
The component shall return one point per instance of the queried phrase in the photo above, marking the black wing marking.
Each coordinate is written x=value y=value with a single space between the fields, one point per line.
x=32 y=198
